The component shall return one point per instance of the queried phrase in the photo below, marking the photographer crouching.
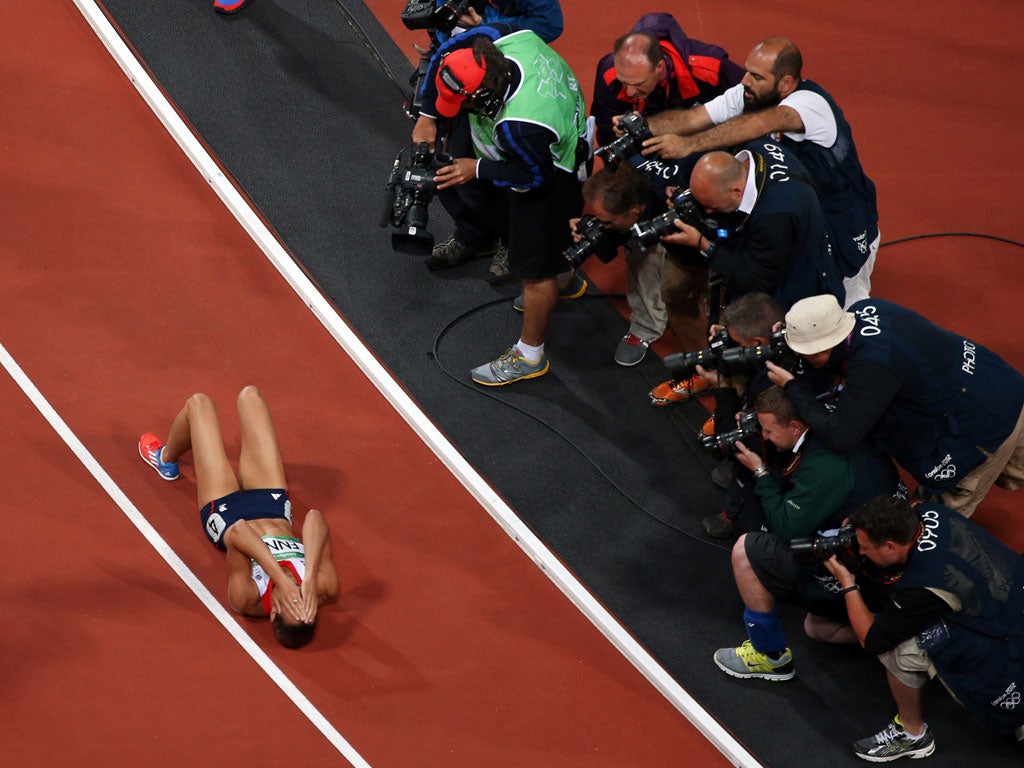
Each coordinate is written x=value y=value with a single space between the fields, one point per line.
x=955 y=611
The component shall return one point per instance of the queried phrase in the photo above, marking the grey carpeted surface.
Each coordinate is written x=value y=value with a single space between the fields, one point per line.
x=300 y=101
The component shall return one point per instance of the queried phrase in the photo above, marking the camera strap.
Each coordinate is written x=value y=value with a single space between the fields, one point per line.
x=760 y=179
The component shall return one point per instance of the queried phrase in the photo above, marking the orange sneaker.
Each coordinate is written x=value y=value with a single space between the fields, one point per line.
x=678 y=391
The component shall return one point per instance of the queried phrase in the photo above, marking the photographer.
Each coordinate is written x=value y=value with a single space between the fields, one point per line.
x=542 y=17
x=478 y=233
x=948 y=410
x=807 y=494
x=775 y=100
x=655 y=67
x=814 y=490
x=776 y=243
x=748 y=323
x=652 y=68
x=618 y=197
x=528 y=126
x=956 y=611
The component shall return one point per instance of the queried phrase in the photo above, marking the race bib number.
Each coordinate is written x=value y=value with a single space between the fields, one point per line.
x=215 y=526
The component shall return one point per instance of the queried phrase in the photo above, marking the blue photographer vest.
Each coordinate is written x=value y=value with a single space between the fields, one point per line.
x=978 y=651
x=954 y=397
x=787 y=191
x=848 y=197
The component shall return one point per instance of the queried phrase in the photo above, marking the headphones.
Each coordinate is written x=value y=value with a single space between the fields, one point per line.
x=482 y=101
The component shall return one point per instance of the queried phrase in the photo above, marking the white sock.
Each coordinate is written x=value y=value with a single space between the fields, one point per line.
x=532 y=354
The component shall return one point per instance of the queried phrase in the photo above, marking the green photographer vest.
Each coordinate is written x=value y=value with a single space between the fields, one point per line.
x=548 y=95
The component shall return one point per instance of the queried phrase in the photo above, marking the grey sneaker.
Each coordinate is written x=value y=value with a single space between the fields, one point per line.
x=508 y=368
x=575 y=287
x=746 y=661
x=452 y=253
x=892 y=743
x=498 y=273
x=631 y=350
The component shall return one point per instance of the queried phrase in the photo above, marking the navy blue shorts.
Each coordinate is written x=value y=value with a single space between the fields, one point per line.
x=810 y=585
x=257 y=504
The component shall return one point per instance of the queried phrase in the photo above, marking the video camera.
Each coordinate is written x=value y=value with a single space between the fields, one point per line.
x=646 y=233
x=409 y=192
x=683 y=365
x=635 y=132
x=818 y=549
x=748 y=426
x=418 y=14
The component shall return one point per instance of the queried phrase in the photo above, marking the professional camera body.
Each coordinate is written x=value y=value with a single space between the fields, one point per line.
x=635 y=132
x=748 y=426
x=596 y=240
x=644 y=234
x=418 y=14
x=683 y=365
x=409 y=192
x=776 y=351
x=818 y=549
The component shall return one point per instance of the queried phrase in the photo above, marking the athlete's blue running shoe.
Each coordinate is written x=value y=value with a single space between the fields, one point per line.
x=150 y=449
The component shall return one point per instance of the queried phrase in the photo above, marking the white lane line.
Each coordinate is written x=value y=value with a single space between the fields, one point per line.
x=177 y=565
x=542 y=557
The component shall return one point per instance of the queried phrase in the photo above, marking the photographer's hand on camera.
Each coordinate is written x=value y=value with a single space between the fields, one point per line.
x=667 y=147
x=461 y=171
x=752 y=461
x=778 y=375
x=687 y=235
x=846 y=579
x=425 y=130
x=470 y=18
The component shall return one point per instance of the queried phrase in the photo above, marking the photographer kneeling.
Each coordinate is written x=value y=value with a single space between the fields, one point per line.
x=813 y=491
x=955 y=611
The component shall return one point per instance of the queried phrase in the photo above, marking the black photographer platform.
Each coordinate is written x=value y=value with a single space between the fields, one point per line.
x=617 y=488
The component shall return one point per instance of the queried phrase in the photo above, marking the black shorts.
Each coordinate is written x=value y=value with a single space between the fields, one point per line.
x=256 y=504
x=810 y=584
x=538 y=231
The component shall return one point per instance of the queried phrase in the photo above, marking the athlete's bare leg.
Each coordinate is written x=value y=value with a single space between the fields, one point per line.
x=197 y=429
x=259 y=464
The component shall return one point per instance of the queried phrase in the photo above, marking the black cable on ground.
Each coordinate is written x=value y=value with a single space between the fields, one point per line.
x=462 y=382
x=569 y=441
x=911 y=238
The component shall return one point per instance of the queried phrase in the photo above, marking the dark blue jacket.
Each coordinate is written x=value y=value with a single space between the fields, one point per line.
x=848 y=197
x=780 y=248
x=929 y=397
x=978 y=650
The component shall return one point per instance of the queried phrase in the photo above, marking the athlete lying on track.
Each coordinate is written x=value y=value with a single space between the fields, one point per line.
x=271 y=572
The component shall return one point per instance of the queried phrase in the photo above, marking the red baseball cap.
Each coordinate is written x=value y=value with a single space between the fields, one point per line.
x=458 y=77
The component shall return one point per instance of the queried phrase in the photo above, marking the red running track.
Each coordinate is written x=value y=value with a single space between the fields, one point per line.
x=128 y=286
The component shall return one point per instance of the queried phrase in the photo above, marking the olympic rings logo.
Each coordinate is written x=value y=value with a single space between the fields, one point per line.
x=1011 y=701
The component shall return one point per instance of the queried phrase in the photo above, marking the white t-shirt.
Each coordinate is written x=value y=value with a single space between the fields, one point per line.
x=819 y=122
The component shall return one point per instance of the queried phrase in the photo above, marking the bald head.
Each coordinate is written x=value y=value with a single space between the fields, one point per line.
x=639 y=64
x=784 y=56
x=718 y=180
